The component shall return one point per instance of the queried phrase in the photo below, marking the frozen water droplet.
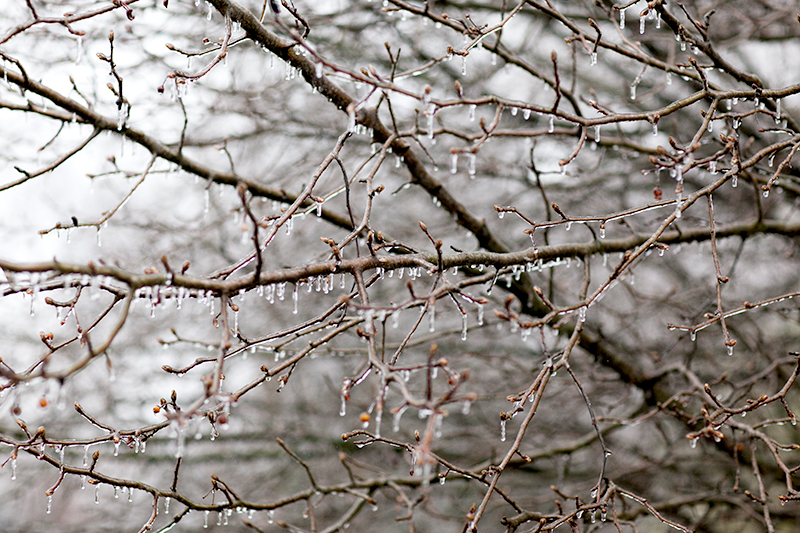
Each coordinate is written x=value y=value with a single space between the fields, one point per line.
x=593 y=59
x=655 y=129
x=597 y=133
x=730 y=349
x=453 y=163
x=503 y=429
x=622 y=19
x=633 y=92
x=464 y=326
x=49 y=503
x=641 y=25
x=464 y=65
x=552 y=126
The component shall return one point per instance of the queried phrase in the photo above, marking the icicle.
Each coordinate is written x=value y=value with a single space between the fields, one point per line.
x=503 y=429
x=472 y=112
x=205 y=519
x=49 y=502
x=730 y=349
x=97 y=494
x=471 y=165
x=597 y=133
x=343 y=408
x=658 y=20
x=593 y=59
x=78 y=50
x=208 y=15
x=464 y=326
x=633 y=91
x=602 y=231
x=622 y=19
x=166 y=506
x=431 y=319
x=295 y=298
x=480 y=314
x=552 y=125
x=464 y=65
x=180 y=440
x=378 y=417
x=13 y=468
x=641 y=25
x=453 y=163
x=777 y=111
x=655 y=129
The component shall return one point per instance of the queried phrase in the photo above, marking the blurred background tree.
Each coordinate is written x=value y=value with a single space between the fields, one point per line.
x=408 y=266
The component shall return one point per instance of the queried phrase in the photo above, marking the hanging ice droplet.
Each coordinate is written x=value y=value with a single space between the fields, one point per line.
x=693 y=335
x=343 y=408
x=480 y=314
x=208 y=15
x=431 y=319
x=464 y=65
x=641 y=25
x=622 y=19
x=655 y=129
x=472 y=112
x=552 y=125
x=597 y=133
x=295 y=298
x=471 y=165
x=633 y=92
x=49 y=502
x=502 y=430
x=602 y=232
x=97 y=494
x=13 y=468
x=734 y=181
x=205 y=519
x=593 y=59
x=464 y=326
x=730 y=349
x=318 y=69
x=453 y=163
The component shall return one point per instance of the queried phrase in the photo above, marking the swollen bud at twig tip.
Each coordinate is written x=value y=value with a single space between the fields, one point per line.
x=423 y=226
x=111 y=35
x=553 y=56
